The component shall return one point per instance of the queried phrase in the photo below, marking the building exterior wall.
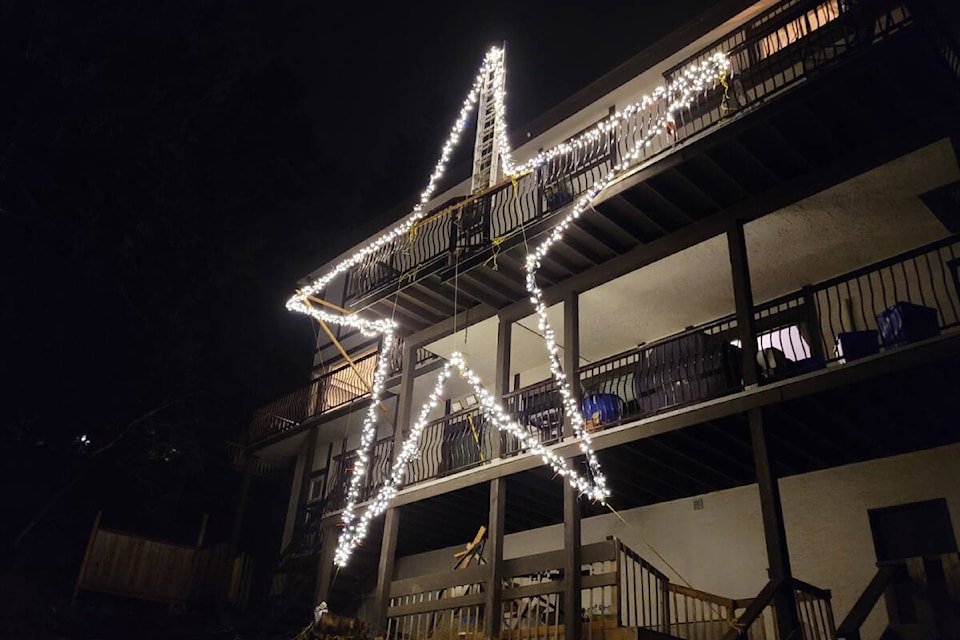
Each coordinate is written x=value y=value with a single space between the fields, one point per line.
x=720 y=547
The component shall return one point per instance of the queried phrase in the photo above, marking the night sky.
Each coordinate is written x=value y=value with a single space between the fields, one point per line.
x=168 y=170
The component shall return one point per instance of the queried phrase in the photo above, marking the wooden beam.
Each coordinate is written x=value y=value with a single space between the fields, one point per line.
x=588 y=244
x=573 y=621
x=743 y=299
x=691 y=462
x=665 y=205
x=309 y=459
x=622 y=204
x=502 y=374
x=774 y=531
x=326 y=569
x=405 y=400
x=388 y=550
x=710 y=449
x=494 y=549
x=571 y=352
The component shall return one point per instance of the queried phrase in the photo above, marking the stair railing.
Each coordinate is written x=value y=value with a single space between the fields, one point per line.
x=743 y=625
x=699 y=615
x=814 y=613
x=920 y=592
x=849 y=629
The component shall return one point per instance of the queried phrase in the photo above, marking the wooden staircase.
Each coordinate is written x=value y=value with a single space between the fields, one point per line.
x=922 y=598
x=622 y=597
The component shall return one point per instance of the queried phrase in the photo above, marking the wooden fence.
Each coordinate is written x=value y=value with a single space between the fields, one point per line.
x=138 y=567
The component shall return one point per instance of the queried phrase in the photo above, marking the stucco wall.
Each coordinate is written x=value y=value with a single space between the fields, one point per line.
x=720 y=547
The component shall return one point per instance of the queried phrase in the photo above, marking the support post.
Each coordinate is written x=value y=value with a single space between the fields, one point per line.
x=571 y=353
x=743 y=299
x=572 y=620
x=502 y=380
x=493 y=605
x=405 y=400
x=774 y=532
x=388 y=549
x=811 y=319
x=309 y=461
x=391 y=524
x=327 y=570
x=237 y=530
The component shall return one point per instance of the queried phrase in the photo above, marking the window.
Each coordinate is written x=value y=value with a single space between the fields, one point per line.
x=798 y=28
x=787 y=340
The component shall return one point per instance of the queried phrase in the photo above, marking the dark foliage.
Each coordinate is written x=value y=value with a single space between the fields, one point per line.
x=157 y=174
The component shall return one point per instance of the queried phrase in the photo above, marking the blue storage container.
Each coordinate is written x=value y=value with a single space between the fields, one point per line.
x=903 y=323
x=601 y=408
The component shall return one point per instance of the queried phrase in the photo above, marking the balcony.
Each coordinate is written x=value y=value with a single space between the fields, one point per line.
x=478 y=240
x=339 y=388
x=881 y=309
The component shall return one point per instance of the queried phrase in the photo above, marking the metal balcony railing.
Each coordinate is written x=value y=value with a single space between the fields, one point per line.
x=332 y=390
x=697 y=364
x=452 y=443
x=342 y=467
x=775 y=51
x=538 y=409
x=886 y=305
x=880 y=307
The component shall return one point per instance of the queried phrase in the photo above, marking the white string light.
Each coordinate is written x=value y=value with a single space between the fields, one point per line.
x=678 y=95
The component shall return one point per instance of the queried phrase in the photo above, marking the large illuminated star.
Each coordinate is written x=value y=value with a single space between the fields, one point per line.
x=676 y=96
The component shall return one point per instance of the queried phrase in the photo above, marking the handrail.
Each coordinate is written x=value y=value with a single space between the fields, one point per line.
x=320 y=396
x=706 y=596
x=754 y=610
x=636 y=557
x=861 y=300
x=870 y=268
x=850 y=627
x=765 y=62
x=809 y=589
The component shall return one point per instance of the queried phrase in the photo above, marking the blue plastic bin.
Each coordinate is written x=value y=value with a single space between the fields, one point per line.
x=601 y=408
x=904 y=322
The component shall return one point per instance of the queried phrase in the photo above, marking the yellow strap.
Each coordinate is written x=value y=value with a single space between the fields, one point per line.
x=476 y=437
x=726 y=89
x=352 y=365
